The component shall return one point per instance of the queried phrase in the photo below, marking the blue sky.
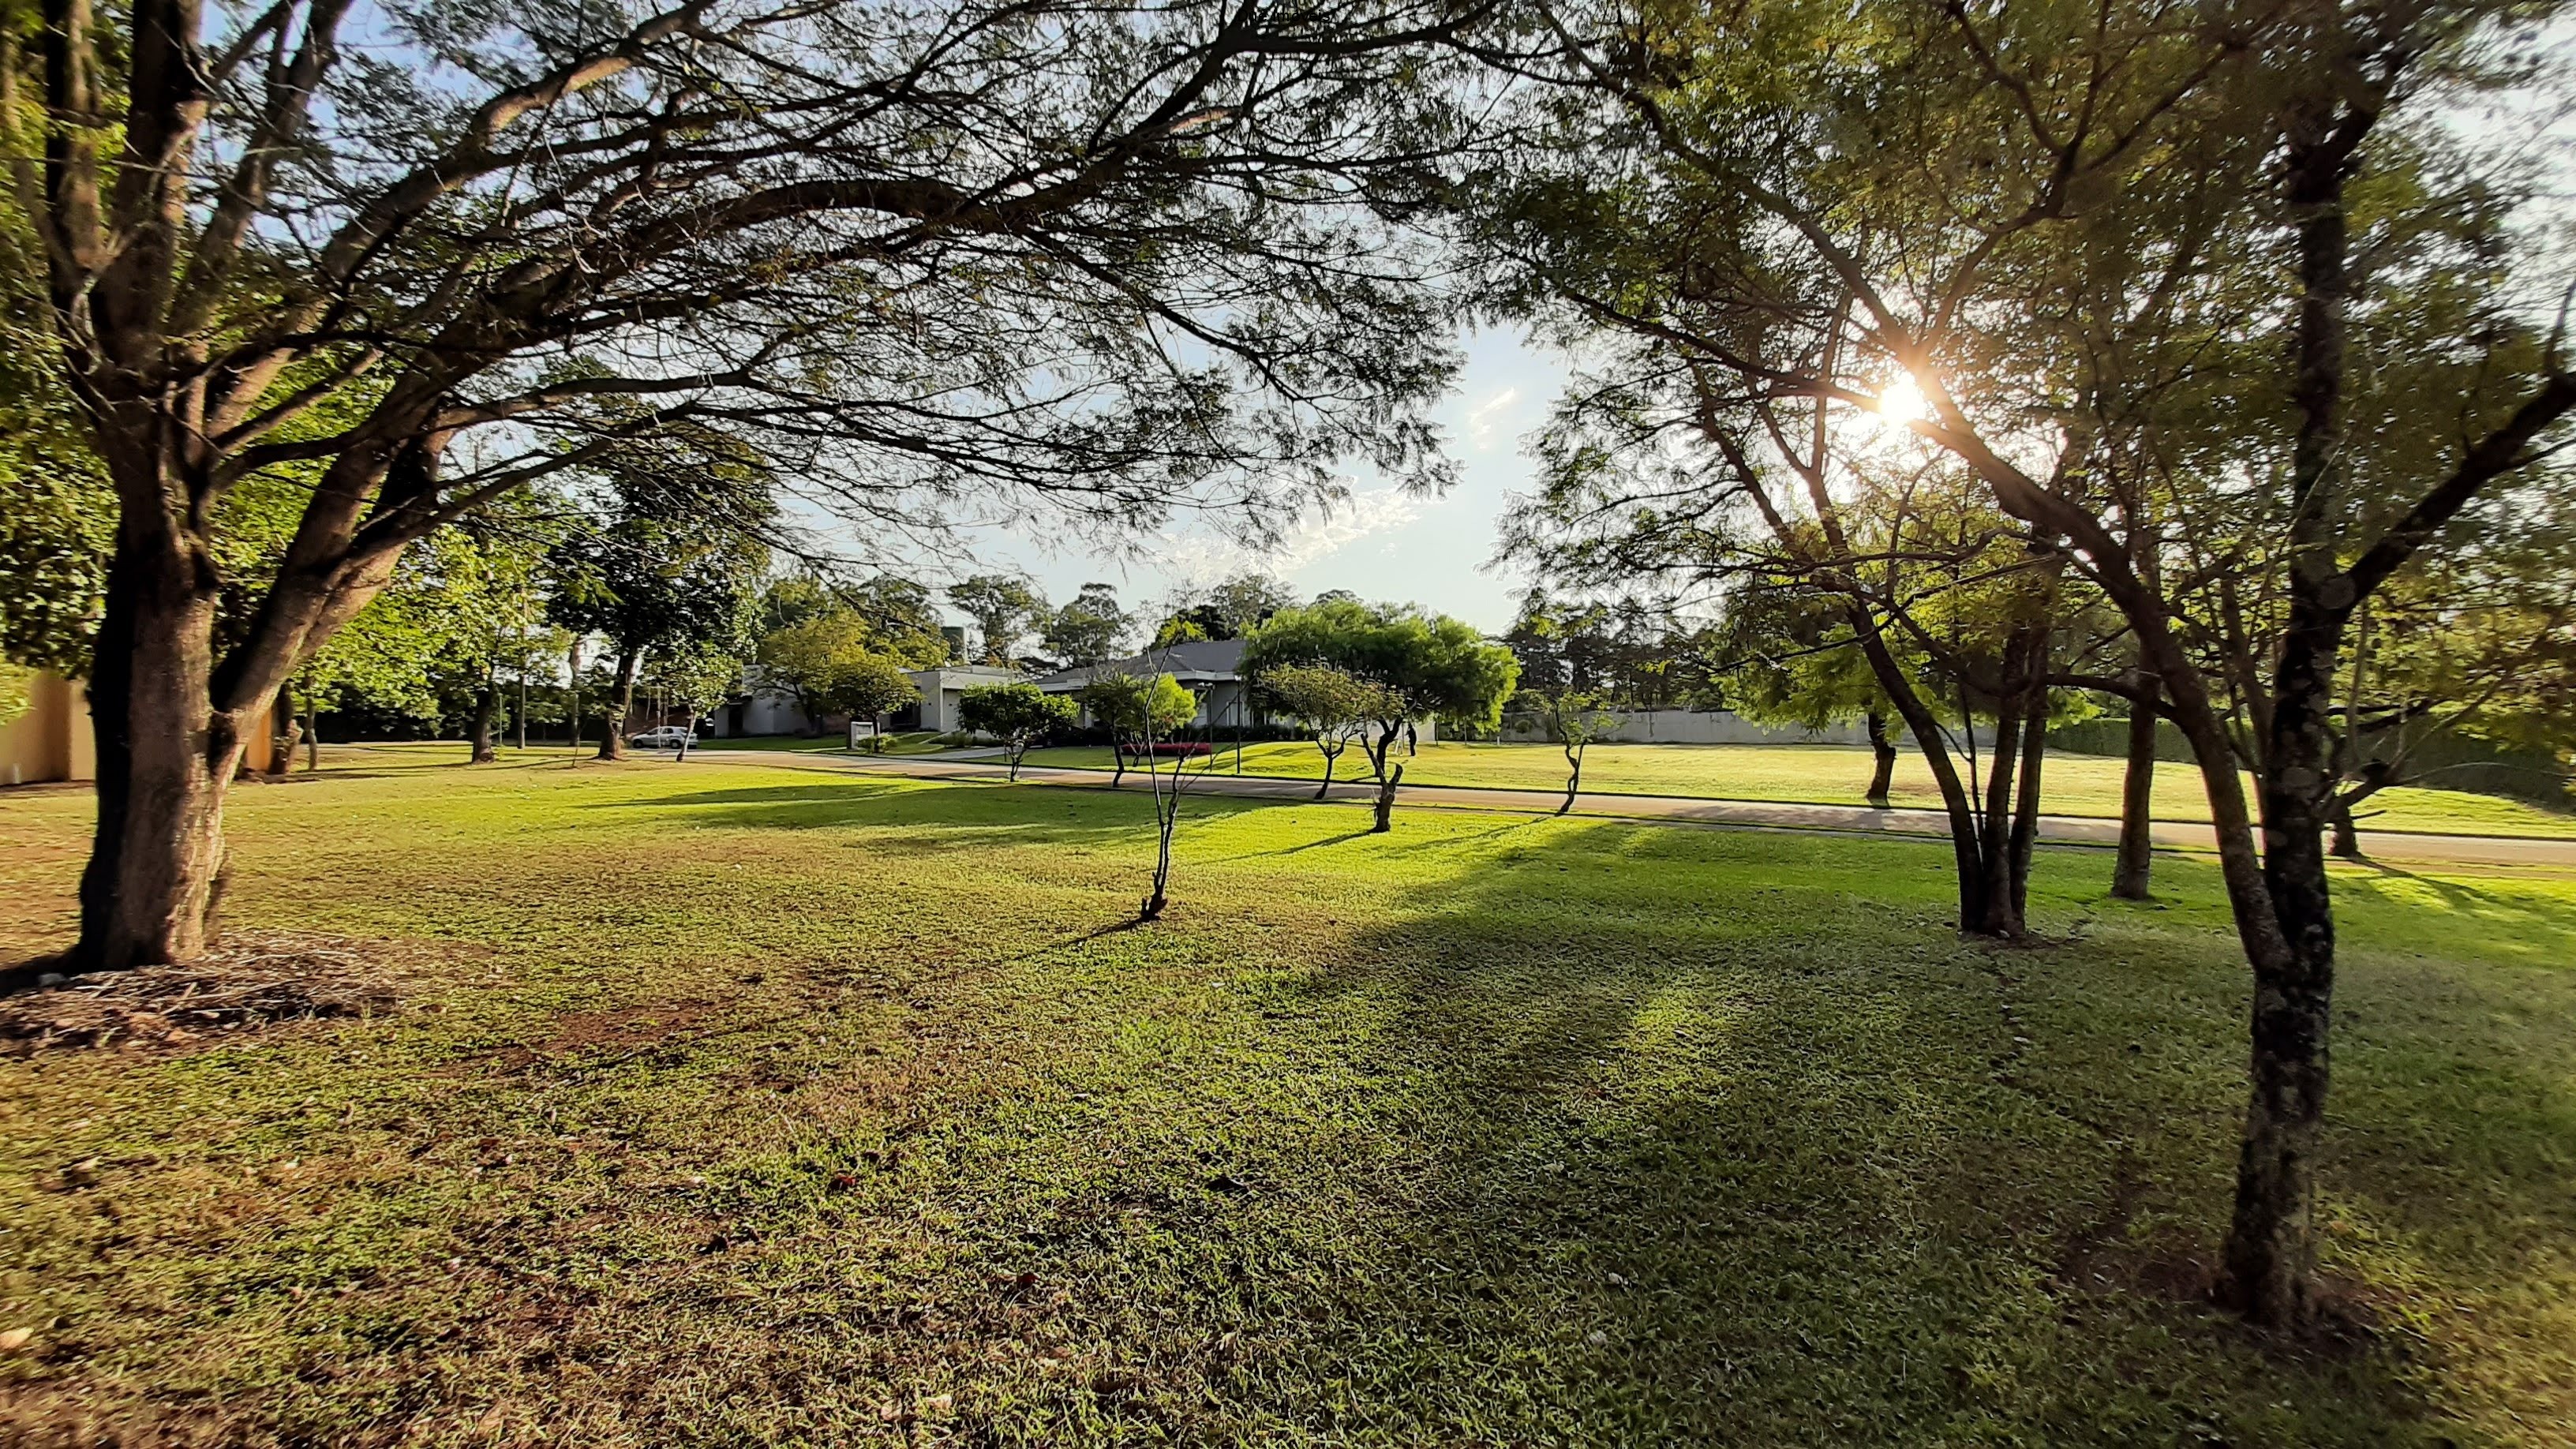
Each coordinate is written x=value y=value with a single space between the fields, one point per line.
x=1382 y=544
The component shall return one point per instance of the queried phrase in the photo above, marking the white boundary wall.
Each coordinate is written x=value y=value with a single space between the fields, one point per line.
x=1696 y=727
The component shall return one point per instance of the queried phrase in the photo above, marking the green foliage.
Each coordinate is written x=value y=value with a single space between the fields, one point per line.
x=1429 y=664
x=1629 y=651
x=1576 y=718
x=905 y=619
x=694 y=675
x=1138 y=706
x=645 y=583
x=866 y=686
x=1017 y=714
x=1004 y=610
x=1226 y=610
x=1335 y=703
x=1092 y=629
x=1180 y=629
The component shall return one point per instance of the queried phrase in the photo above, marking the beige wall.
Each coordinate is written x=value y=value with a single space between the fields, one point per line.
x=51 y=741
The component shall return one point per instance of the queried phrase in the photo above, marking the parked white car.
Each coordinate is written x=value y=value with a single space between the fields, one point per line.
x=668 y=737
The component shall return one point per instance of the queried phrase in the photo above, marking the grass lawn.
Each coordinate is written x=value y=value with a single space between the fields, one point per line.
x=1837 y=775
x=733 y=1105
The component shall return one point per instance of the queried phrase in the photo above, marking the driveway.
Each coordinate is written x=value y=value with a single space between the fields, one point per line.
x=2381 y=845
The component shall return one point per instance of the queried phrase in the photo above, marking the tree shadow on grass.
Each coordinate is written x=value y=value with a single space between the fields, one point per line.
x=1757 y=1164
x=934 y=817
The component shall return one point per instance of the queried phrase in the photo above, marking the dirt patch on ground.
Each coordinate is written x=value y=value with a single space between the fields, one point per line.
x=253 y=981
x=598 y=1038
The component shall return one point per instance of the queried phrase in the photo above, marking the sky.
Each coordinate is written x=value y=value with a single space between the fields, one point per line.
x=1382 y=544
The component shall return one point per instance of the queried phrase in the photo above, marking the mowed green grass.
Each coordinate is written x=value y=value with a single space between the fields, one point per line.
x=1836 y=775
x=750 y=1106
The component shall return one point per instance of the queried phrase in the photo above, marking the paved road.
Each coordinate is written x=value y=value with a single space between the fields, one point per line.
x=2381 y=845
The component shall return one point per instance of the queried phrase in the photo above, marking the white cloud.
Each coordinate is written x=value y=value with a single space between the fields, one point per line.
x=1481 y=420
x=1200 y=558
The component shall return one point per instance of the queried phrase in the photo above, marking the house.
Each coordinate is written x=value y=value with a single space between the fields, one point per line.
x=1212 y=669
x=940 y=687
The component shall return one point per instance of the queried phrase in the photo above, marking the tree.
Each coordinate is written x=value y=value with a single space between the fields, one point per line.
x=1228 y=609
x=696 y=674
x=1089 y=630
x=805 y=658
x=648 y=586
x=1018 y=715
x=1336 y=706
x=1427 y=665
x=2104 y=270
x=904 y=618
x=1789 y=659
x=1164 y=700
x=936 y=266
x=1136 y=709
x=1575 y=719
x=793 y=599
x=1003 y=608
x=868 y=686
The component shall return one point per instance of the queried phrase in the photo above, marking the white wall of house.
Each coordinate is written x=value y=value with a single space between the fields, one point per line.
x=942 y=688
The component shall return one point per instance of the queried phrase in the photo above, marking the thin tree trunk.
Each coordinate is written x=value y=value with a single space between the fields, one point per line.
x=2025 y=829
x=2131 y=868
x=1994 y=827
x=1574 y=779
x=2271 y=1243
x=1387 y=779
x=1386 y=801
x=1882 y=775
x=621 y=698
x=1331 y=757
x=1892 y=681
x=2347 y=835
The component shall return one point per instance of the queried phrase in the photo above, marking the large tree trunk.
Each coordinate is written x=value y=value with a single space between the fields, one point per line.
x=2271 y=1243
x=1882 y=773
x=284 y=759
x=621 y=699
x=165 y=754
x=2136 y=858
x=487 y=711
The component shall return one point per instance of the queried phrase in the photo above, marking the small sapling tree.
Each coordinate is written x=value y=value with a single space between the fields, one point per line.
x=1575 y=718
x=1335 y=704
x=1136 y=709
x=1018 y=715
x=1426 y=665
x=867 y=686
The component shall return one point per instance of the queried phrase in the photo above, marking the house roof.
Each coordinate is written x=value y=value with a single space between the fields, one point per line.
x=1202 y=660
